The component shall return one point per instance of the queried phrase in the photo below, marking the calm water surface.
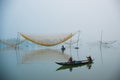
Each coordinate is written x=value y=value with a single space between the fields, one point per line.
x=25 y=64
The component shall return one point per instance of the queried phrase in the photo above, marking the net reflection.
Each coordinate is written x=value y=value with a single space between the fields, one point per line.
x=44 y=55
x=88 y=65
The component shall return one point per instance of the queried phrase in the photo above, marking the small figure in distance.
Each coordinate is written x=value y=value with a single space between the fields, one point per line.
x=63 y=48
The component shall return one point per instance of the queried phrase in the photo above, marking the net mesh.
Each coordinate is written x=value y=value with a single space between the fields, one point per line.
x=48 y=40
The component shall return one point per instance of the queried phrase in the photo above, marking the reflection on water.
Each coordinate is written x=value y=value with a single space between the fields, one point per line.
x=88 y=65
x=44 y=55
x=14 y=63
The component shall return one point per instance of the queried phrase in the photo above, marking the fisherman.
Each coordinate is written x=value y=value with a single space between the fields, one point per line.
x=70 y=60
x=89 y=58
x=63 y=48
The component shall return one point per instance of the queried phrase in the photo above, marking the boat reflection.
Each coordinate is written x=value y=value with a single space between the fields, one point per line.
x=70 y=67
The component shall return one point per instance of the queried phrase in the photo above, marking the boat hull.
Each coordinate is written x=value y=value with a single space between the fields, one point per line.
x=70 y=67
x=74 y=63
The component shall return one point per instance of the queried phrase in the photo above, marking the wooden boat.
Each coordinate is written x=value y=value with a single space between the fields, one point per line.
x=74 y=62
x=70 y=67
x=89 y=60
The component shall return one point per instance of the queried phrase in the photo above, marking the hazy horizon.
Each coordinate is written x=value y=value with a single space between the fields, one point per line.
x=51 y=16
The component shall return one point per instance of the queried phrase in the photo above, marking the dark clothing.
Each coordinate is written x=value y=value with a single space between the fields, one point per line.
x=70 y=60
x=63 y=49
x=89 y=58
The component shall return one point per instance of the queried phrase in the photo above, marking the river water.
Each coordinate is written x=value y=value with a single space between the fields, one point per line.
x=39 y=64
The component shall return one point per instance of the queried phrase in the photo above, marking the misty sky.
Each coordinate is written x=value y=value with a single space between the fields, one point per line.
x=51 y=16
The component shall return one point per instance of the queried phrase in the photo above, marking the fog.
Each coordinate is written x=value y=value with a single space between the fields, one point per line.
x=56 y=16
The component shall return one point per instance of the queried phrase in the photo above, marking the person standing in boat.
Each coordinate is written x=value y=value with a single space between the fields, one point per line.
x=63 y=48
